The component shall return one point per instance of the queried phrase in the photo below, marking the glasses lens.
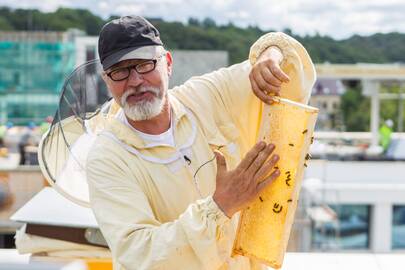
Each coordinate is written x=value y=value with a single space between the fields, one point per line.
x=145 y=67
x=119 y=74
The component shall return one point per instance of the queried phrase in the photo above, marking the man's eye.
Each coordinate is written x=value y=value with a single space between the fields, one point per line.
x=145 y=66
x=119 y=71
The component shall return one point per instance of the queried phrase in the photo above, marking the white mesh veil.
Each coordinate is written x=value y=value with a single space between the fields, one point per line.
x=83 y=106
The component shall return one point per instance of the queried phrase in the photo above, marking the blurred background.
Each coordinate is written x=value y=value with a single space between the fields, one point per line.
x=353 y=194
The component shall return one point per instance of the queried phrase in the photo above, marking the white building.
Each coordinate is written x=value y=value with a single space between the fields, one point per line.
x=352 y=206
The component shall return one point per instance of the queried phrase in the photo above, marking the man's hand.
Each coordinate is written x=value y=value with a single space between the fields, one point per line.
x=266 y=75
x=235 y=189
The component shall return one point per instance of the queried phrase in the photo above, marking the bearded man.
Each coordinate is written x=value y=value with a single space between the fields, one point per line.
x=159 y=201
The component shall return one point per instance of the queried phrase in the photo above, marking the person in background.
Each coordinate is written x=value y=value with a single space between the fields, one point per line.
x=44 y=126
x=26 y=140
x=4 y=151
x=3 y=130
x=5 y=195
x=385 y=134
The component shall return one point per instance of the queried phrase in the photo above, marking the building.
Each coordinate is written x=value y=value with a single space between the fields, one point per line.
x=326 y=96
x=33 y=66
x=354 y=205
x=371 y=77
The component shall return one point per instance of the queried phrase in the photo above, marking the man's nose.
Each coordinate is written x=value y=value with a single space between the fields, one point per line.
x=134 y=78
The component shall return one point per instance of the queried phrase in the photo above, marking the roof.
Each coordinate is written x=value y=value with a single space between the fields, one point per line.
x=328 y=87
x=361 y=71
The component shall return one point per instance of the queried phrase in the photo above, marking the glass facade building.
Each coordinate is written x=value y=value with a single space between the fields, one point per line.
x=33 y=67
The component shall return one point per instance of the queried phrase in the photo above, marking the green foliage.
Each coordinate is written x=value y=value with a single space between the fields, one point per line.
x=60 y=20
x=5 y=25
x=389 y=109
x=207 y=35
x=355 y=108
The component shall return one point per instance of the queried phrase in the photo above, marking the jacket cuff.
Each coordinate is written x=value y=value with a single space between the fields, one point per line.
x=214 y=212
x=276 y=39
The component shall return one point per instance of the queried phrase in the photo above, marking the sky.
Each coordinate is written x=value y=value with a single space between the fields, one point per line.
x=336 y=18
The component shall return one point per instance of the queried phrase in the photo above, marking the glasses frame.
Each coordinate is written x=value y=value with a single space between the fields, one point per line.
x=131 y=67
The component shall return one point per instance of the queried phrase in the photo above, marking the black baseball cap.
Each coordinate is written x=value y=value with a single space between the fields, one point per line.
x=129 y=37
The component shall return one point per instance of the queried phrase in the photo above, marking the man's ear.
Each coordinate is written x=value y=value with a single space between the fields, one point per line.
x=169 y=61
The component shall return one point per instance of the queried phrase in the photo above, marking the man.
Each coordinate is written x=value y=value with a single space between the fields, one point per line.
x=385 y=132
x=159 y=201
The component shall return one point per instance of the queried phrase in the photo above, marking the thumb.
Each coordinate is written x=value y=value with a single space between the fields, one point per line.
x=221 y=162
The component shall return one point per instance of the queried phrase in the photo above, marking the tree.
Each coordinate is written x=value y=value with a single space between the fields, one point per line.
x=356 y=110
x=207 y=35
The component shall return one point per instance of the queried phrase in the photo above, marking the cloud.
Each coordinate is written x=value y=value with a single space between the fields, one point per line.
x=336 y=18
x=129 y=8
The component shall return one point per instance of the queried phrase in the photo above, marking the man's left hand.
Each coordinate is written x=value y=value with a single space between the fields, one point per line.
x=266 y=76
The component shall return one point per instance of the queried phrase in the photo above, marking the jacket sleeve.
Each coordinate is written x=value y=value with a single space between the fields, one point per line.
x=198 y=238
x=224 y=102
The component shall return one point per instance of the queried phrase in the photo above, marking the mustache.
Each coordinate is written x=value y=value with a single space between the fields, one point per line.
x=139 y=90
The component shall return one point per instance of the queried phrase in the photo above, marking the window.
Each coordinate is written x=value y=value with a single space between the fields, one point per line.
x=398 y=227
x=350 y=230
x=16 y=78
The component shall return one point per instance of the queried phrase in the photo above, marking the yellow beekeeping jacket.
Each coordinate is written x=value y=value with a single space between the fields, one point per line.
x=154 y=210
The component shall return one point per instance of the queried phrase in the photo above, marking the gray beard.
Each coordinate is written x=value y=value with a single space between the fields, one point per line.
x=143 y=110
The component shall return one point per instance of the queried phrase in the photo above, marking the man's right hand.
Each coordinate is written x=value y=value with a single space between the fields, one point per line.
x=235 y=189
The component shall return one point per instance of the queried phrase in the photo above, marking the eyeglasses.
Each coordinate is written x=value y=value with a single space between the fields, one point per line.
x=123 y=73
